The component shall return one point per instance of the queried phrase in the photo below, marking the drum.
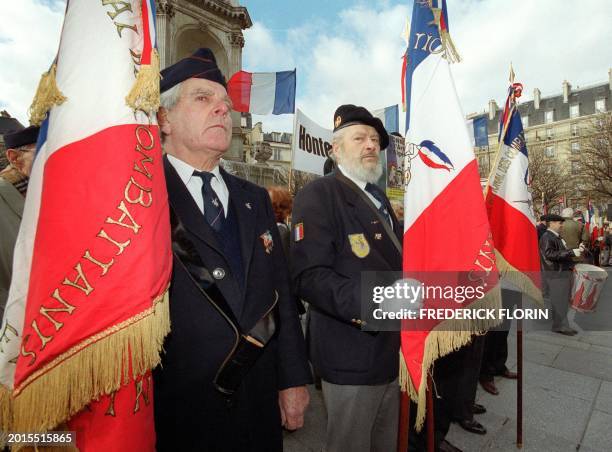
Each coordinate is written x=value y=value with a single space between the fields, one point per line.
x=588 y=283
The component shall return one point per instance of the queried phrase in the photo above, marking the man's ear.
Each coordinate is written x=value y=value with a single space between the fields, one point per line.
x=12 y=155
x=162 y=119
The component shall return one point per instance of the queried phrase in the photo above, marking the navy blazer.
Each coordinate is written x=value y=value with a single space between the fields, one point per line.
x=189 y=411
x=327 y=273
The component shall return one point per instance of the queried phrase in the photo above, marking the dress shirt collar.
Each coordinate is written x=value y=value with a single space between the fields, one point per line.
x=185 y=170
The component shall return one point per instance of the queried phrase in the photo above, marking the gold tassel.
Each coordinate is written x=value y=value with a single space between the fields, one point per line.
x=442 y=340
x=452 y=55
x=47 y=95
x=450 y=51
x=144 y=95
x=91 y=369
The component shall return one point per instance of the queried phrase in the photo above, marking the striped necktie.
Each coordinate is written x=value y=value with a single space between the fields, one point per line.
x=213 y=209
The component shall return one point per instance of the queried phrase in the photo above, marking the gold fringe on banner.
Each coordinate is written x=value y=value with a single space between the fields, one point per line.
x=442 y=340
x=47 y=95
x=518 y=279
x=97 y=366
x=144 y=95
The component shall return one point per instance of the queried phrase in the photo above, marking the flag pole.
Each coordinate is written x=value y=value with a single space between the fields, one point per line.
x=290 y=177
x=404 y=422
x=430 y=415
x=519 y=381
x=503 y=134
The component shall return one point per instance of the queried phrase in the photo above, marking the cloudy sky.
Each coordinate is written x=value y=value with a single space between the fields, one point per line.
x=350 y=52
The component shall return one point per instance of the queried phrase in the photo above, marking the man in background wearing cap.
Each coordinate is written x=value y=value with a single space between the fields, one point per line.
x=557 y=264
x=573 y=232
x=227 y=229
x=343 y=225
x=20 y=149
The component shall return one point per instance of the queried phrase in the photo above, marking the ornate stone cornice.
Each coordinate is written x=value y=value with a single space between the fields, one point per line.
x=236 y=14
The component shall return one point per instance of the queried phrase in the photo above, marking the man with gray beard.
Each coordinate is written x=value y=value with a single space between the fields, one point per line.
x=343 y=225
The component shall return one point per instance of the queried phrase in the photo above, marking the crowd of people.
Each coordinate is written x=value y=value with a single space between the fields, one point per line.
x=268 y=255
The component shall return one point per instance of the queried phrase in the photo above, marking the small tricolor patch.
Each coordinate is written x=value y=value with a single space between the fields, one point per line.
x=298 y=232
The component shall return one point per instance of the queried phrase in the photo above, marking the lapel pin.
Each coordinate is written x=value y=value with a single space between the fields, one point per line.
x=248 y=205
x=268 y=244
x=374 y=221
x=378 y=236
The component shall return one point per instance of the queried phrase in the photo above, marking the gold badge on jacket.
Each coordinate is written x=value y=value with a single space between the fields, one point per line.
x=359 y=245
x=268 y=243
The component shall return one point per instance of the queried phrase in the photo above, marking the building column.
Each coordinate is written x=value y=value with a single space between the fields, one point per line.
x=163 y=19
x=234 y=62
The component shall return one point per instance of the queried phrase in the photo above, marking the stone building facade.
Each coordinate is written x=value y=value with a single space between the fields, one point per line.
x=185 y=25
x=556 y=124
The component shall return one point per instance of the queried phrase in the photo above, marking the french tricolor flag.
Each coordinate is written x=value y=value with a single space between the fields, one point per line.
x=509 y=204
x=262 y=93
x=443 y=185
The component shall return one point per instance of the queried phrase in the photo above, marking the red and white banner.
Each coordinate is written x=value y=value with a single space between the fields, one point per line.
x=88 y=310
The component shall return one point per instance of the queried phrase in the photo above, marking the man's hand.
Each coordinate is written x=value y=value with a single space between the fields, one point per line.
x=293 y=403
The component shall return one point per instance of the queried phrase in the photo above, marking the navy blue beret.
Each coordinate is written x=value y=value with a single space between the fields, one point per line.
x=202 y=64
x=23 y=137
x=350 y=115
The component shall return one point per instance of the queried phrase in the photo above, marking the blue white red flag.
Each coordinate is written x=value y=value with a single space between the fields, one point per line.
x=263 y=93
x=445 y=221
x=509 y=204
x=87 y=309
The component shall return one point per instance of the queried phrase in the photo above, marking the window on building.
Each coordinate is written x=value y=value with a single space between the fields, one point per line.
x=549 y=117
x=575 y=167
x=575 y=147
x=550 y=151
x=549 y=133
x=600 y=105
x=276 y=154
x=574 y=128
x=525 y=120
x=574 y=110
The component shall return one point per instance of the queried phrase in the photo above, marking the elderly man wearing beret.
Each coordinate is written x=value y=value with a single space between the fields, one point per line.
x=21 y=146
x=557 y=264
x=343 y=225
x=234 y=369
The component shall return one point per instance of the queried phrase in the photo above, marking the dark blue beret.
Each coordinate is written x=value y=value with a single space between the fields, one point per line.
x=202 y=64
x=350 y=115
x=23 y=137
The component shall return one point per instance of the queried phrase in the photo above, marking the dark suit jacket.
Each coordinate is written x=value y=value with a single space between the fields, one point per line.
x=327 y=274
x=189 y=413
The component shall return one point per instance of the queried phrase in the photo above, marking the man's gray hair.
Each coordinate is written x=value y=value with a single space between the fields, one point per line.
x=168 y=99
x=337 y=138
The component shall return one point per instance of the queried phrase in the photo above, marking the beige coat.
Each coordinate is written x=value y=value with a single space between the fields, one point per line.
x=573 y=233
x=11 y=211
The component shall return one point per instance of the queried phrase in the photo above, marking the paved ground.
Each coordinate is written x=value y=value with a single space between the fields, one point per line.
x=567 y=396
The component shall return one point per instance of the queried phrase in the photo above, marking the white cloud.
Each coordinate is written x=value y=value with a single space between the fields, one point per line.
x=29 y=40
x=355 y=57
x=547 y=41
